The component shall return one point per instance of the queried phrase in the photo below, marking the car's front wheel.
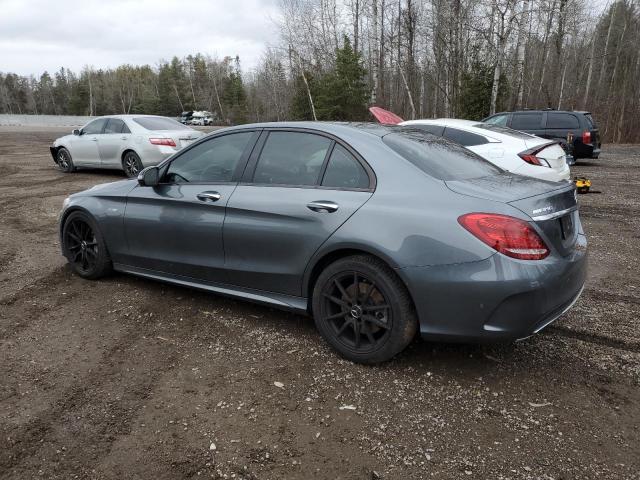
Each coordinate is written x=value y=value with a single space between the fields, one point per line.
x=84 y=246
x=131 y=164
x=363 y=310
x=64 y=160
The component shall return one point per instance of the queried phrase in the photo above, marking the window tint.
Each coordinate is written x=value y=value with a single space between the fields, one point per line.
x=344 y=171
x=503 y=131
x=500 y=120
x=466 y=139
x=526 y=121
x=212 y=161
x=562 y=120
x=436 y=130
x=116 y=125
x=590 y=122
x=94 y=127
x=291 y=158
x=160 y=123
x=439 y=158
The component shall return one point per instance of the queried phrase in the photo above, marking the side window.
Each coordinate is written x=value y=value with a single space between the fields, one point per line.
x=562 y=120
x=466 y=139
x=115 y=125
x=291 y=158
x=94 y=127
x=212 y=161
x=526 y=121
x=344 y=171
x=436 y=130
x=500 y=120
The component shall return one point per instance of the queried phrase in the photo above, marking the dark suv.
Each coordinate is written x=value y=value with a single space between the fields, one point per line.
x=576 y=131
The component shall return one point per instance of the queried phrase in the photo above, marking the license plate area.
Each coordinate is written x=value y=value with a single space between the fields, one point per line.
x=185 y=141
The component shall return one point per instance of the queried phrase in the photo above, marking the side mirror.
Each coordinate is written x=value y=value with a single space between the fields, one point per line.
x=149 y=177
x=76 y=131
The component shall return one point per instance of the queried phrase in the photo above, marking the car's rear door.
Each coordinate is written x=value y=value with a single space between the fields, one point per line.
x=84 y=150
x=112 y=141
x=299 y=187
x=176 y=227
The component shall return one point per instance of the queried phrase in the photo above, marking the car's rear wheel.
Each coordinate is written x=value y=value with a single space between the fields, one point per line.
x=131 y=164
x=84 y=246
x=64 y=160
x=363 y=310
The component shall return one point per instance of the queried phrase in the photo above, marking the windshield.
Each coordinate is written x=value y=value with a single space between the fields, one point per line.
x=437 y=157
x=159 y=123
x=503 y=130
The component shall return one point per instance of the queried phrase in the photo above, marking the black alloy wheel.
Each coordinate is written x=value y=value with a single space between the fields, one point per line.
x=84 y=246
x=356 y=310
x=363 y=310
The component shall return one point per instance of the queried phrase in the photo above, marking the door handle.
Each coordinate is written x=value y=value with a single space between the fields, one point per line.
x=123 y=138
x=209 y=196
x=322 y=206
x=94 y=139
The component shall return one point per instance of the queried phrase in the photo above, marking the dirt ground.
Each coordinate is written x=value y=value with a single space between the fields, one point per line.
x=128 y=378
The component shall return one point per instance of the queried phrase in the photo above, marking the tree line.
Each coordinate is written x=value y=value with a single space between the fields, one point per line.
x=418 y=58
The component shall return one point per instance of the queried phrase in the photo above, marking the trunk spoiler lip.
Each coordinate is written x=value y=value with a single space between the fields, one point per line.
x=551 y=216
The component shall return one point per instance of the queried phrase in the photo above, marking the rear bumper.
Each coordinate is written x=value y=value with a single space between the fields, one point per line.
x=497 y=299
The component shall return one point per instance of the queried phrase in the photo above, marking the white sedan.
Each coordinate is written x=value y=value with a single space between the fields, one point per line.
x=126 y=142
x=509 y=149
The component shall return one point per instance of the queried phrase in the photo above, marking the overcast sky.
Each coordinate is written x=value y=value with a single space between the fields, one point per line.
x=39 y=35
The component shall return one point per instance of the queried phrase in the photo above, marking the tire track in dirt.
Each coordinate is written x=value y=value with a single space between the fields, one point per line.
x=78 y=400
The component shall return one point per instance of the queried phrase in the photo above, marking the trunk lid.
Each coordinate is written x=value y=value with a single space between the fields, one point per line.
x=182 y=138
x=552 y=206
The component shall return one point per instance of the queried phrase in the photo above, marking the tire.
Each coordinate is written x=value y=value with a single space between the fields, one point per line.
x=376 y=323
x=84 y=247
x=64 y=160
x=131 y=164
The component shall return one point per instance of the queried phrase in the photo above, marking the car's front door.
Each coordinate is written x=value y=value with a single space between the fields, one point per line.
x=84 y=151
x=176 y=227
x=112 y=141
x=294 y=195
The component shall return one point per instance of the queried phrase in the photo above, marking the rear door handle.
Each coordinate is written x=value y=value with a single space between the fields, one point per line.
x=94 y=139
x=209 y=196
x=322 y=206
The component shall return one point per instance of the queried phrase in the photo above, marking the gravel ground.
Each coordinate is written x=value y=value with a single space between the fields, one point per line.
x=127 y=378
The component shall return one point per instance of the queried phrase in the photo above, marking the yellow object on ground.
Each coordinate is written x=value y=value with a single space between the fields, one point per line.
x=582 y=184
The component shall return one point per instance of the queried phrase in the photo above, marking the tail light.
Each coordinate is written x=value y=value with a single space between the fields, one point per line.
x=586 y=137
x=163 y=141
x=530 y=157
x=508 y=235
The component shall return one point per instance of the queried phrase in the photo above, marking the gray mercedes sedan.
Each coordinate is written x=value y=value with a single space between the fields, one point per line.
x=376 y=231
x=126 y=142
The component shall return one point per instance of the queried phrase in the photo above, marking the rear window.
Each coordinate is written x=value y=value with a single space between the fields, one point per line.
x=159 y=123
x=466 y=139
x=503 y=130
x=526 y=121
x=590 y=121
x=439 y=158
x=562 y=120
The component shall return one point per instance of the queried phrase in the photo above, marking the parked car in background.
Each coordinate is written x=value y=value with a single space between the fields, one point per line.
x=126 y=142
x=186 y=117
x=576 y=131
x=202 y=118
x=378 y=231
x=514 y=151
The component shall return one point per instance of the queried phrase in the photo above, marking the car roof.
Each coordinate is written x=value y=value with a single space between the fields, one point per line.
x=443 y=121
x=541 y=110
x=336 y=128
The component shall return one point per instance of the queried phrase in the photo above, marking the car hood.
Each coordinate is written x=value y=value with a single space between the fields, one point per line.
x=63 y=139
x=118 y=188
